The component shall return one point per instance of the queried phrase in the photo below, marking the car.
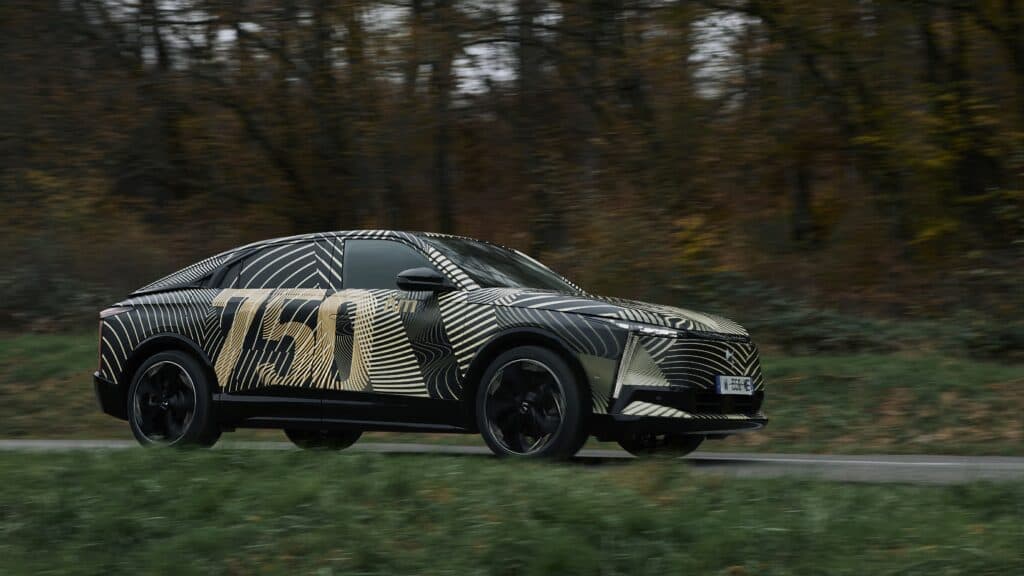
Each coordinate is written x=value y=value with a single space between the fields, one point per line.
x=329 y=335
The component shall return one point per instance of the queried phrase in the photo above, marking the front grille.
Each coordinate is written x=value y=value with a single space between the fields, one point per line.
x=694 y=362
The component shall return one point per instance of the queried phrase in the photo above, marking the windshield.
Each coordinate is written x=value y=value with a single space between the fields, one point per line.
x=492 y=266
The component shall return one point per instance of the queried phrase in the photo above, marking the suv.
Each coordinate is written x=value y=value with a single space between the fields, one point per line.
x=331 y=334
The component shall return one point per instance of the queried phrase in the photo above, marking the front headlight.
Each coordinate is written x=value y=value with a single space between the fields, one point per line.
x=645 y=329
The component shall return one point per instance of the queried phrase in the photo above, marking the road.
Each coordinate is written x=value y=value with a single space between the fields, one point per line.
x=872 y=468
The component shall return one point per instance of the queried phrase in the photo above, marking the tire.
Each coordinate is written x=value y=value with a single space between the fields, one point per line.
x=649 y=444
x=170 y=402
x=529 y=404
x=322 y=439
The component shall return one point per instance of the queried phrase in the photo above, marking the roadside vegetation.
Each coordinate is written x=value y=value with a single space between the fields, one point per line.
x=249 y=512
x=871 y=402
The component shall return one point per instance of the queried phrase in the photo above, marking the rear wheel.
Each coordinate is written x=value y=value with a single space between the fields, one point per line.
x=323 y=439
x=529 y=404
x=169 y=402
x=650 y=444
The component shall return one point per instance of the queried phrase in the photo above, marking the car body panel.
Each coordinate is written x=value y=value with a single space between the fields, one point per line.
x=386 y=355
x=620 y=309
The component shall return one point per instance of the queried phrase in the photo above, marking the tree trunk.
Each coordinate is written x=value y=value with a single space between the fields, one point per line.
x=441 y=86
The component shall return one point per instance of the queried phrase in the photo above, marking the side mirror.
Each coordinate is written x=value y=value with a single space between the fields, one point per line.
x=422 y=280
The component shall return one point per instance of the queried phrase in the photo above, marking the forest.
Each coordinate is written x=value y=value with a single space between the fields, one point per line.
x=841 y=176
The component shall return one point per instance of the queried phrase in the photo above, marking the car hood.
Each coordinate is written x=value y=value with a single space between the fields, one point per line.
x=621 y=309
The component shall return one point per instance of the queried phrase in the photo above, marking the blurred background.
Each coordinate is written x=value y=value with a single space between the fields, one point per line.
x=844 y=178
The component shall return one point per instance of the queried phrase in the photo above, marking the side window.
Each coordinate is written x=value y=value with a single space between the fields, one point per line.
x=281 y=266
x=375 y=263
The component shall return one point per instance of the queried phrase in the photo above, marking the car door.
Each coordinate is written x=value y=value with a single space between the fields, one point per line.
x=269 y=314
x=393 y=362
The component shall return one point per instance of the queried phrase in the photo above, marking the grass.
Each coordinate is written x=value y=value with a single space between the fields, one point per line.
x=225 y=512
x=890 y=403
x=46 y=388
x=895 y=403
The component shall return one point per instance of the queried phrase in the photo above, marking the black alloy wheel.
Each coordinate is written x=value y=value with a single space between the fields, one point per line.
x=529 y=404
x=322 y=439
x=648 y=444
x=169 y=402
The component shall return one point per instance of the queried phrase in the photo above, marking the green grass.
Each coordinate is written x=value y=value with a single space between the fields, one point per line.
x=46 y=387
x=224 y=512
x=843 y=404
x=890 y=403
x=38 y=357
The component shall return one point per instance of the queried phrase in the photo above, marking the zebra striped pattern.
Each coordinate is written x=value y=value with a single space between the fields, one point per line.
x=433 y=349
x=330 y=254
x=582 y=336
x=469 y=326
x=672 y=317
x=558 y=303
x=642 y=312
x=347 y=352
x=392 y=365
x=293 y=264
x=639 y=408
x=186 y=312
x=640 y=368
x=287 y=342
x=448 y=268
x=328 y=248
x=696 y=361
x=381 y=352
x=651 y=410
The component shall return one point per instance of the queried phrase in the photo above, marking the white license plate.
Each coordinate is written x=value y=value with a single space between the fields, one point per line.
x=742 y=385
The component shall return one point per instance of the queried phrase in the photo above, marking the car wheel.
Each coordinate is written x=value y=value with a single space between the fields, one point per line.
x=169 y=402
x=323 y=439
x=648 y=444
x=529 y=404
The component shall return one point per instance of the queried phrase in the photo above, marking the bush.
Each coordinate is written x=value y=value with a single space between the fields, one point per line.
x=798 y=327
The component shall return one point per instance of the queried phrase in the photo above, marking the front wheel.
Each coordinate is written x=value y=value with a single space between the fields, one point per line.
x=650 y=444
x=169 y=402
x=323 y=439
x=529 y=404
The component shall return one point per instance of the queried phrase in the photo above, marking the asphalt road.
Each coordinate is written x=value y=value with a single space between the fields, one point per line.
x=872 y=468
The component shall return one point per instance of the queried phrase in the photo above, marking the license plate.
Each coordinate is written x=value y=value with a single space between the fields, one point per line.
x=742 y=385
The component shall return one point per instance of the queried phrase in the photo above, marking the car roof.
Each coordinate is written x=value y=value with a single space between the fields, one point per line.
x=360 y=234
x=193 y=273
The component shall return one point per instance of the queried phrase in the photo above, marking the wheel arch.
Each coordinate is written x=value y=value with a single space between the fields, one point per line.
x=507 y=340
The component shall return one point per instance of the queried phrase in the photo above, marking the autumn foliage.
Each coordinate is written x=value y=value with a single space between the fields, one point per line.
x=863 y=158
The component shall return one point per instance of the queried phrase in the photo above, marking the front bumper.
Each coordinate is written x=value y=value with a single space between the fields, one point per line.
x=712 y=424
x=109 y=397
x=669 y=385
x=685 y=409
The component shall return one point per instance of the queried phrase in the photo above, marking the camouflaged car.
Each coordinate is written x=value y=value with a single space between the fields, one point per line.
x=328 y=335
